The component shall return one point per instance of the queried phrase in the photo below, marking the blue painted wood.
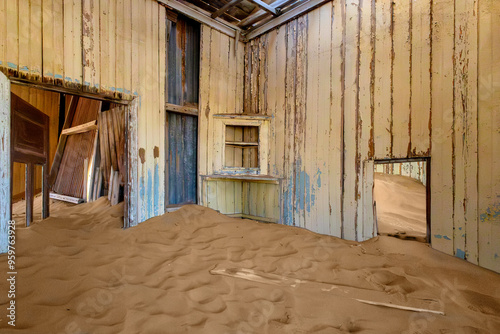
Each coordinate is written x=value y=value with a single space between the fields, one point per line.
x=182 y=165
x=5 y=162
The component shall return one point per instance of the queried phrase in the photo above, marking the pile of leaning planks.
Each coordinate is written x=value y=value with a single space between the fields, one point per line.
x=89 y=161
x=112 y=148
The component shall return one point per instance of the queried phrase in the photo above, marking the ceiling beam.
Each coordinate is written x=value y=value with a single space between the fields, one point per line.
x=266 y=7
x=201 y=16
x=306 y=7
x=261 y=14
x=224 y=8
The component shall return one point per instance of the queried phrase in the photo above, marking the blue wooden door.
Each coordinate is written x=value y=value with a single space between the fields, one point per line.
x=182 y=140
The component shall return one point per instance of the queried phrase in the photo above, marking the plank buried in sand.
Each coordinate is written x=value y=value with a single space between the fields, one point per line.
x=363 y=295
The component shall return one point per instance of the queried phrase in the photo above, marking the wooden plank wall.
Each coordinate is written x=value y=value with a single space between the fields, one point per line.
x=48 y=103
x=416 y=169
x=115 y=48
x=221 y=92
x=356 y=80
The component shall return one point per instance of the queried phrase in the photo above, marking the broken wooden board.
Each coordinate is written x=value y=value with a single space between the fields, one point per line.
x=363 y=295
x=64 y=198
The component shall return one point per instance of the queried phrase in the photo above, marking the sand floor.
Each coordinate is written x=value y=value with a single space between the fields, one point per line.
x=19 y=209
x=197 y=271
x=401 y=206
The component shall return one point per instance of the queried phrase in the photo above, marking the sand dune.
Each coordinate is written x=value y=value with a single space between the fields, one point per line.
x=197 y=271
x=401 y=208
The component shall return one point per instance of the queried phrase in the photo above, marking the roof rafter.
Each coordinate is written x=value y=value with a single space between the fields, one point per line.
x=266 y=7
x=225 y=8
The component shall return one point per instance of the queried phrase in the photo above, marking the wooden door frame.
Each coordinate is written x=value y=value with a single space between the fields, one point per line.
x=131 y=217
x=427 y=186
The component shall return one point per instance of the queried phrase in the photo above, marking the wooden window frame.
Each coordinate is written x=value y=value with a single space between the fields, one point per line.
x=220 y=123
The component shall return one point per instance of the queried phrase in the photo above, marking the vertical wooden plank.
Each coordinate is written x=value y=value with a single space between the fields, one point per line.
x=212 y=195
x=232 y=72
x=335 y=172
x=351 y=112
x=272 y=86
x=91 y=45
x=219 y=56
x=204 y=106
x=420 y=78
x=77 y=43
x=321 y=172
x=131 y=189
x=24 y=38
x=238 y=197
x=263 y=75
x=48 y=40
x=312 y=85
x=367 y=218
x=253 y=91
x=5 y=162
x=3 y=29
x=488 y=136
x=213 y=107
x=161 y=93
x=45 y=191
x=401 y=79
x=12 y=33
x=30 y=192
x=466 y=246
x=156 y=108
x=68 y=42
x=127 y=47
x=240 y=70
x=366 y=51
x=302 y=181
x=269 y=200
x=229 y=191
x=35 y=41
x=279 y=115
x=104 y=44
x=382 y=98
x=120 y=33
x=261 y=199
x=221 y=203
x=290 y=80
x=112 y=46
x=58 y=39
x=143 y=64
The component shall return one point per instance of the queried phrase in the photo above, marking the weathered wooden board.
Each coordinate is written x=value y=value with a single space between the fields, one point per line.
x=382 y=126
x=420 y=77
x=401 y=72
x=465 y=131
x=488 y=135
x=351 y=114
x=336 y=133
x=5 y=162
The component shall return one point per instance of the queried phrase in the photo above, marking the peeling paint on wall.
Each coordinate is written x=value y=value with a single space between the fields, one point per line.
x=142 y=186
x=156 y=155
x=492 y=213
x=460 y=254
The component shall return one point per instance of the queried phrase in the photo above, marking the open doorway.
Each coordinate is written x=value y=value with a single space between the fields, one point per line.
x=83 y=146
x=401 y=197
